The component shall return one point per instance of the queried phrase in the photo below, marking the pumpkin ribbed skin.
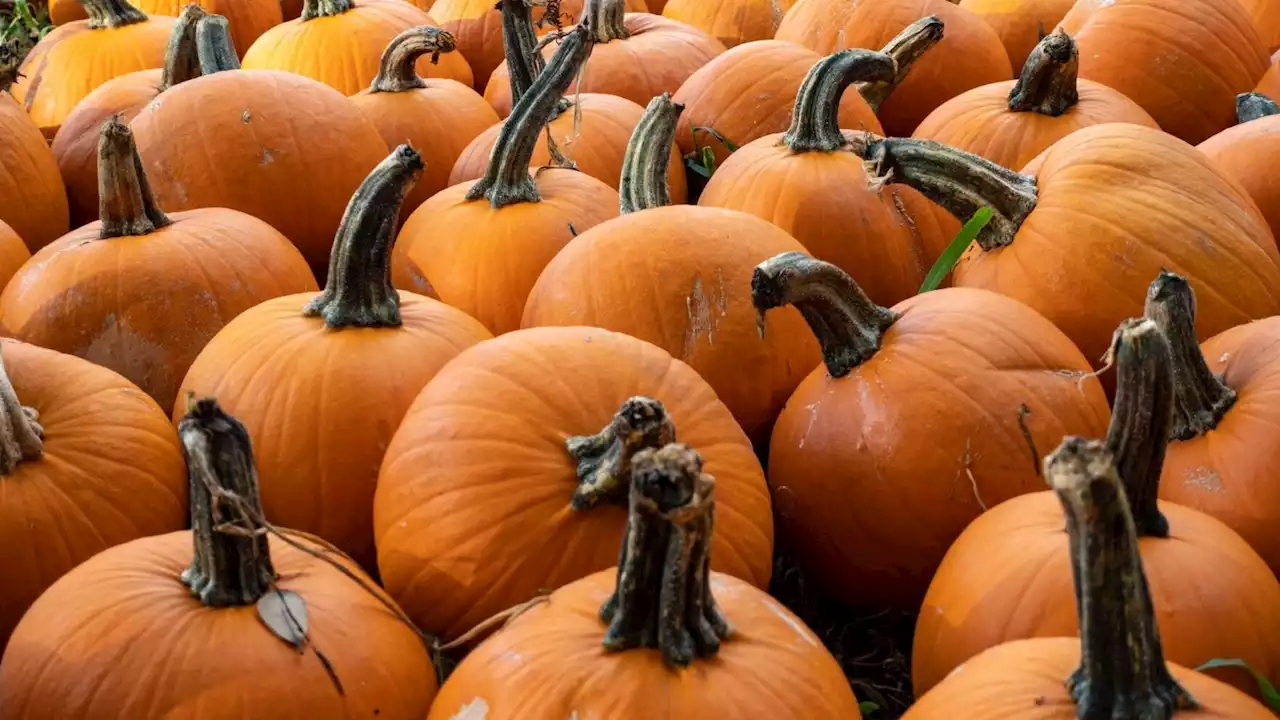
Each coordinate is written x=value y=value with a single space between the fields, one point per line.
x=1269 y=85
x=247 y=18
x=732 y=22
x=1265 y=20
x=1019 y=23
x=35 y=200
x=1245 y=153
x=13 y=254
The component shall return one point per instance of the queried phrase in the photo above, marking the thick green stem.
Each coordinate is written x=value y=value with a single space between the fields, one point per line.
x=1254 y=106
x=905 y=49
x=359 y=291
x=520 y=41
x=111 y=13
x=216 y=48
x=1047 y=84
x=604 y=459
x=126 y=205
x=1122 y=672
x=663 y=597
x=231 y=564
x=21 y=437
x=507 y=180
x=181 y=58
x=398 y=70
x=845 y=321
x=606 y=20
x=815 y=118
x=644 y=182
x=312 y=9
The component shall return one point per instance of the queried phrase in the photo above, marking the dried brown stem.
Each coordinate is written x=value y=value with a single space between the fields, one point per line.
x=1047 y=84
x=905 y=48
x=604 y=459
x=126 y=205
x=398 y=69
x=216 y=49
x=605 y=18
x=312 y=9
x=648 y=158
x=181 y=58
x=111 y=13
x=1254 y=106
x=520 y=41
x=815 y=117
x=21 y=437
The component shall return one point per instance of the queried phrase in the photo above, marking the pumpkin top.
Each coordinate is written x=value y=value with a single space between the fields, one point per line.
x=815 y=118
x=312 y=9
x=216 y=48
x=21 y=437
x=1254 y=106
x=181 y=56
x=604 y=459
x=905 y=48
x=126 y=206
x=111 y=13
x=644 y=182
x=358 y=292
x=605 y=20
x=520 y=45
x=397 y=71
x=1047 y=84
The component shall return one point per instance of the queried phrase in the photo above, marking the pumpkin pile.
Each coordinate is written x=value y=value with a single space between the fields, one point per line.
x=631 y=359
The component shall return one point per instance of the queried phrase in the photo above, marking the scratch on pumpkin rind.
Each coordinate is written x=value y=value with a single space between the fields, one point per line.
x=704 y=311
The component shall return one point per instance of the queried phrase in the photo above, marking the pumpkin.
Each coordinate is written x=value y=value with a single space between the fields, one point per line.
x=676 y=276
x=1245 y=153
x=807 y=183
x=281 y=147
x=482 y=245
x=1262 y=13
x=248 y=18
x=438 y=117
x=1021 y=24
x=921 y=416
x=1080 y=234
x=606 y=645
x=969 y=55
x=13 y=253
x=1007 y=576
x=1269 y=85
x=87 y=461
x=731 y=22
x=1200 y=54
x=340 y=43
x=35 y=199
x=1012 y=122
x=373 y=348
x=482 y=502
x=1117 y=668
x=636 y=56
x=73 y=59
x=204 y=624
x=141 y=292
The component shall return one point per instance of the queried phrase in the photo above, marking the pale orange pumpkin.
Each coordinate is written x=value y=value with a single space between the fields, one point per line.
x=248 y=18
x=732 y=22
x=1020 y=23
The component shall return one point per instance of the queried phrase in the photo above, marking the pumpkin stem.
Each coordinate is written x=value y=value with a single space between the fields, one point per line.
x=1254 y=106
x=358 y=292
x=507 y=180
x=1122 y=671
x=312 y=9
x=520 y=41
x=815 y=118
x=604 y=459
x=644 y=182
x=111 y=13
x=905 y=49
x=960 y=182
x=398 y=71
x=1139 y=431
x=231 y=564
x=216 y=49
x=1047 y=84
x=845 y=321
x=663 y=597
x=21 y=437
x=126 y=206
x=1200 y=398
x=181 y=58
x=605 y=18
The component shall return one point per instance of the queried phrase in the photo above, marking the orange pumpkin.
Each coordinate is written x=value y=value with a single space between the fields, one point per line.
x=438 y=117
x=87 y=461
x=1200 y=53
x=969 y=55
x=35 y=199
x=606 y=645
x=204 y=624
x=1265 y=20
x=1011 y=122
x=13 y=254
x=482 y=246
x=73 y=59
x=1117 y=669
x=731 y=22
x=141 y=292
x=360 y=336
x=1245 y=153
x=1269 y=85
x=482 y=502
x=922 y=416
x=248 y=18
x=1020 y=23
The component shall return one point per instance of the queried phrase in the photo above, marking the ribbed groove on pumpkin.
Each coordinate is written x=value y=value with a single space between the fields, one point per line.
x=397 y=71
x=231 y=563
x=815 y=117
x=111 y=13
x=21 y=436
x=1200 y=397
x=1122 y=671
x=216 y=49
x=604 y=459
x=520 y=43
x=1047 y=84
x=312 y=9
x=181 y=56
x=358 y=292
x=507 y=180
x=905 y=48
x=960 y=182
x=605 y=19
x=846 y=322
x=663 y=597
x=644 y=183
x=1254 y=106
x=126 y=205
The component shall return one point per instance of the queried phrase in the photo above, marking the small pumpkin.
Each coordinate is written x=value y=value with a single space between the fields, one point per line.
x=248 y=18
x=731 y=22
x=1117 y=668
x=142 y=292
x=1021 y=24
x=607 y=645
x=1012 y=122
x=35 y=199
x=13 y=254
x=1245 y=153
x=204 y=624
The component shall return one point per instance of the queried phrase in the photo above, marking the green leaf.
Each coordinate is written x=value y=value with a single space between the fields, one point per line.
x=955 y=249
x=726 y=142
x=1269 y=693
x=693 y=164
x=866 y=707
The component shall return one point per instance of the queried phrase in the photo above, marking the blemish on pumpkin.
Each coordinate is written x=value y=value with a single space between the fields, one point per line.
x=245 y=117
x=791 y=622
x=704 y=312
x=477 y=709
x=267 y=156
x=1224 y=357
x=1204 y=479
x=813 y=418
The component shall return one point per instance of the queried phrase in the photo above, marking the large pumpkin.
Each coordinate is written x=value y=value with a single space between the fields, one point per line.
x=731 y=22
x=660 y=636
x=217 y=622
x=1269 y=85
x=1008 y=577
x=35 y=199
x=1021 y=24
x=87 y=461
x=969 y=55
x=1245 y=153
x=248 y=18
x=346 y=363
x=13 y=254
x=141 y=292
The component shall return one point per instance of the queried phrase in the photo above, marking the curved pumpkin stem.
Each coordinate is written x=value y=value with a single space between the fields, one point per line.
x=1200 y=398
x=507 y=180
x=520 y=42
x=111 y=13
x=20 y=433
x=231 y=564
x=1254 y=106
x=815 y=118
x=359 y=291
x=605 y=19
x=312 y=9
x=181 y=58
x=126 y=206
x=398 y=70
x=644 y=183
x=1047 y=84
x=1122 y=671
x=663 y=597
x=216 y=49
x=905 y=49
x=846 y=322
x=604 y=459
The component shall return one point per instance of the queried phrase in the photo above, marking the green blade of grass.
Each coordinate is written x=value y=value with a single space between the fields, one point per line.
x=1269 y=693
x=955 y=249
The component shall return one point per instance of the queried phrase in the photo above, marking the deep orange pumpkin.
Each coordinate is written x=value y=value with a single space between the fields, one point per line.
x=35 y=199
x=732 y=22
x=1246 y=153
x=1269 y=85
x=248 y=18
x=13 y=254
x=1265 y=20
x=1019 y=23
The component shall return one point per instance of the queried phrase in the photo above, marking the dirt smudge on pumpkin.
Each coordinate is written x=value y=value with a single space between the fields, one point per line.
x=477 y=709
x=1203 y=478
x=704 y=310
